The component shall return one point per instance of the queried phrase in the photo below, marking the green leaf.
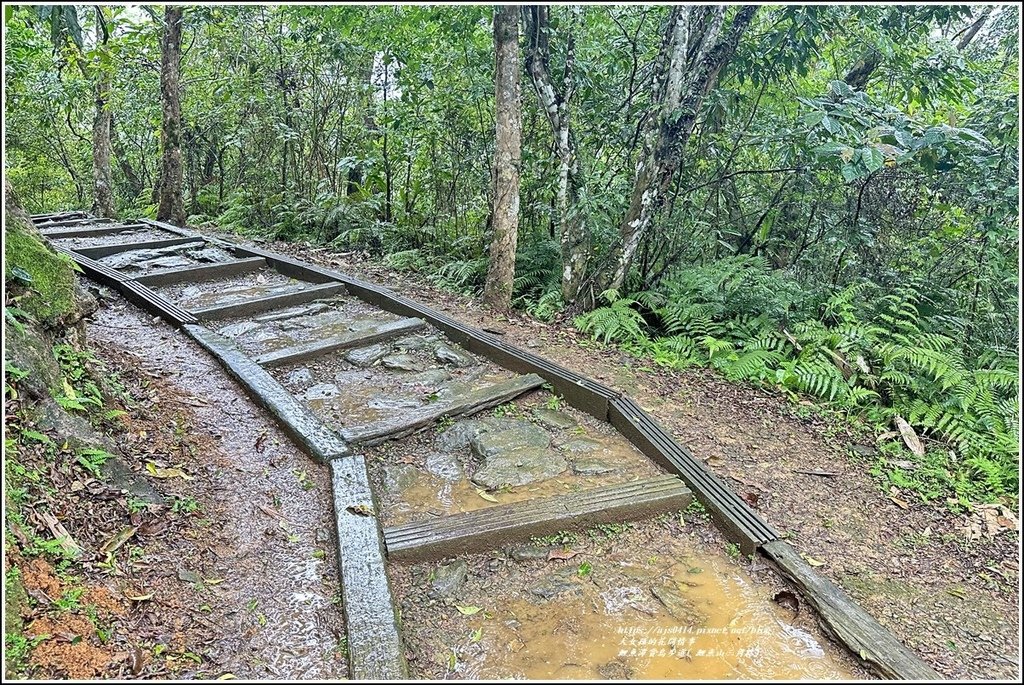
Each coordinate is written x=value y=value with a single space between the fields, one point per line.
x=468 y=611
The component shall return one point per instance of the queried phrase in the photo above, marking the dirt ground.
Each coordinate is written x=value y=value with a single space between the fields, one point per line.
x=952 y=599
x=234 y=576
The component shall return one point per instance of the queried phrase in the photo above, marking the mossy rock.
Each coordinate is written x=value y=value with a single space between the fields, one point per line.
x=50 y=294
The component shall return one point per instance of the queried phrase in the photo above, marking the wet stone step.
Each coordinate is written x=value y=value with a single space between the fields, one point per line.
x=359 y=338
x=205 y=272
x=499 y=457
x=500 y=525
x=456 y=405
x=291 y=327
x=112 y=249
x=228 y=290
x=297 y=294
x=104 y=230
x=138 y=262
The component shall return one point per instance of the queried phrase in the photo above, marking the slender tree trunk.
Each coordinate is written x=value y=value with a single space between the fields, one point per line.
x=507 y=154
x=171 y=208
x=692 y=54
x=102 y=177
x=573 y=237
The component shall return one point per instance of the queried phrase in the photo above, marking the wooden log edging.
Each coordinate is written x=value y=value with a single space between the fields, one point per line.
x=486 y=529
x=61 y=233
x=847 y=621
x=297 y=420
x=372 y=622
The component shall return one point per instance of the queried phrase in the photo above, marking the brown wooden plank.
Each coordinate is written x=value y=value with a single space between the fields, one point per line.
x=368 y=336
x=106 y=250
x=256 y=305
x=486 y=529
x=417 y=419
x=847 y=621
x=202 y=273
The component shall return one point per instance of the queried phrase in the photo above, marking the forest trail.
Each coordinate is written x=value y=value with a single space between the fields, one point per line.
x=340 y=374
x=939 y=580
x=538 y=510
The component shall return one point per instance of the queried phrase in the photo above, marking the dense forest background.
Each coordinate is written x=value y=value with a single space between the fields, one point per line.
x=820 y=199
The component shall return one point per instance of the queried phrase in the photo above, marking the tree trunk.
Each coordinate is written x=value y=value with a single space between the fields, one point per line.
x=508 y=150
x=102 y=178
x=573 y=237
x=171 y=208
x=692 y=54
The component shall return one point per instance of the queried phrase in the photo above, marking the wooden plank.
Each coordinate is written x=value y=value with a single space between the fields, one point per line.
x=485 y=529
x=57 y=233
x=297 y=420
x=55 y=223
x=372 y=625
x=202 y=273
x=847 y=621
x=106 y=250
x=256 y=305
x=417 y=419
x=368 y=336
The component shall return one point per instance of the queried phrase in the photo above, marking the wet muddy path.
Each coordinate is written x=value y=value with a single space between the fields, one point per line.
x=268 y=546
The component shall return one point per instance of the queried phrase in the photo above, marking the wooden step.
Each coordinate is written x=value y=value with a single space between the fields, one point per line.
x=384 y=331
x=417 y=419
x=202 y=273
x=106 y=250
x=59 y=232
x=85 y=221
x=256 y=305
x=485 y=529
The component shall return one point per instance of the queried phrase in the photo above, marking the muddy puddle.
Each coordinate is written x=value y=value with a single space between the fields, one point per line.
x=131 y=235
x=381 y=382
x=138 y=262
x=319 y=320
x=632 y=602
x=222 y=291
x=517 y=452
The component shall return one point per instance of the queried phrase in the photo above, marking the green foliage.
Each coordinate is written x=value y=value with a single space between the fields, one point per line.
x=873 y=356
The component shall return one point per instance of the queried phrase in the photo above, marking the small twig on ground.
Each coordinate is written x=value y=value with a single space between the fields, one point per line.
x=823 y=474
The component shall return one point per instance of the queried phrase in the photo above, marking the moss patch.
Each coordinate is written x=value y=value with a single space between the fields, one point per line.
x=51 y=295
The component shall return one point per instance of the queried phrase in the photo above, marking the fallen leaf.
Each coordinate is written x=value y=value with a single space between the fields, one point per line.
x=751 y=498
x=485 y=495
x=114 y=543
x=788 y=599
x=468 y=611
x=227 y=676
x=154 y=527
x=213 y=581
x=811 y=561
x=909 y=436
x=260 y=440
x=360 y=510
x=139 y=598
x=900 y=503
x=160 y=472
x=562 y=554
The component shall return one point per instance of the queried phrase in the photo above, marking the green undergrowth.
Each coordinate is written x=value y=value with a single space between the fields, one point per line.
x=863 y=355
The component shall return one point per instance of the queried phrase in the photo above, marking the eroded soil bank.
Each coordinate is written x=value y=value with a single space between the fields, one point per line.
x=945 y=592
x=233 y=573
